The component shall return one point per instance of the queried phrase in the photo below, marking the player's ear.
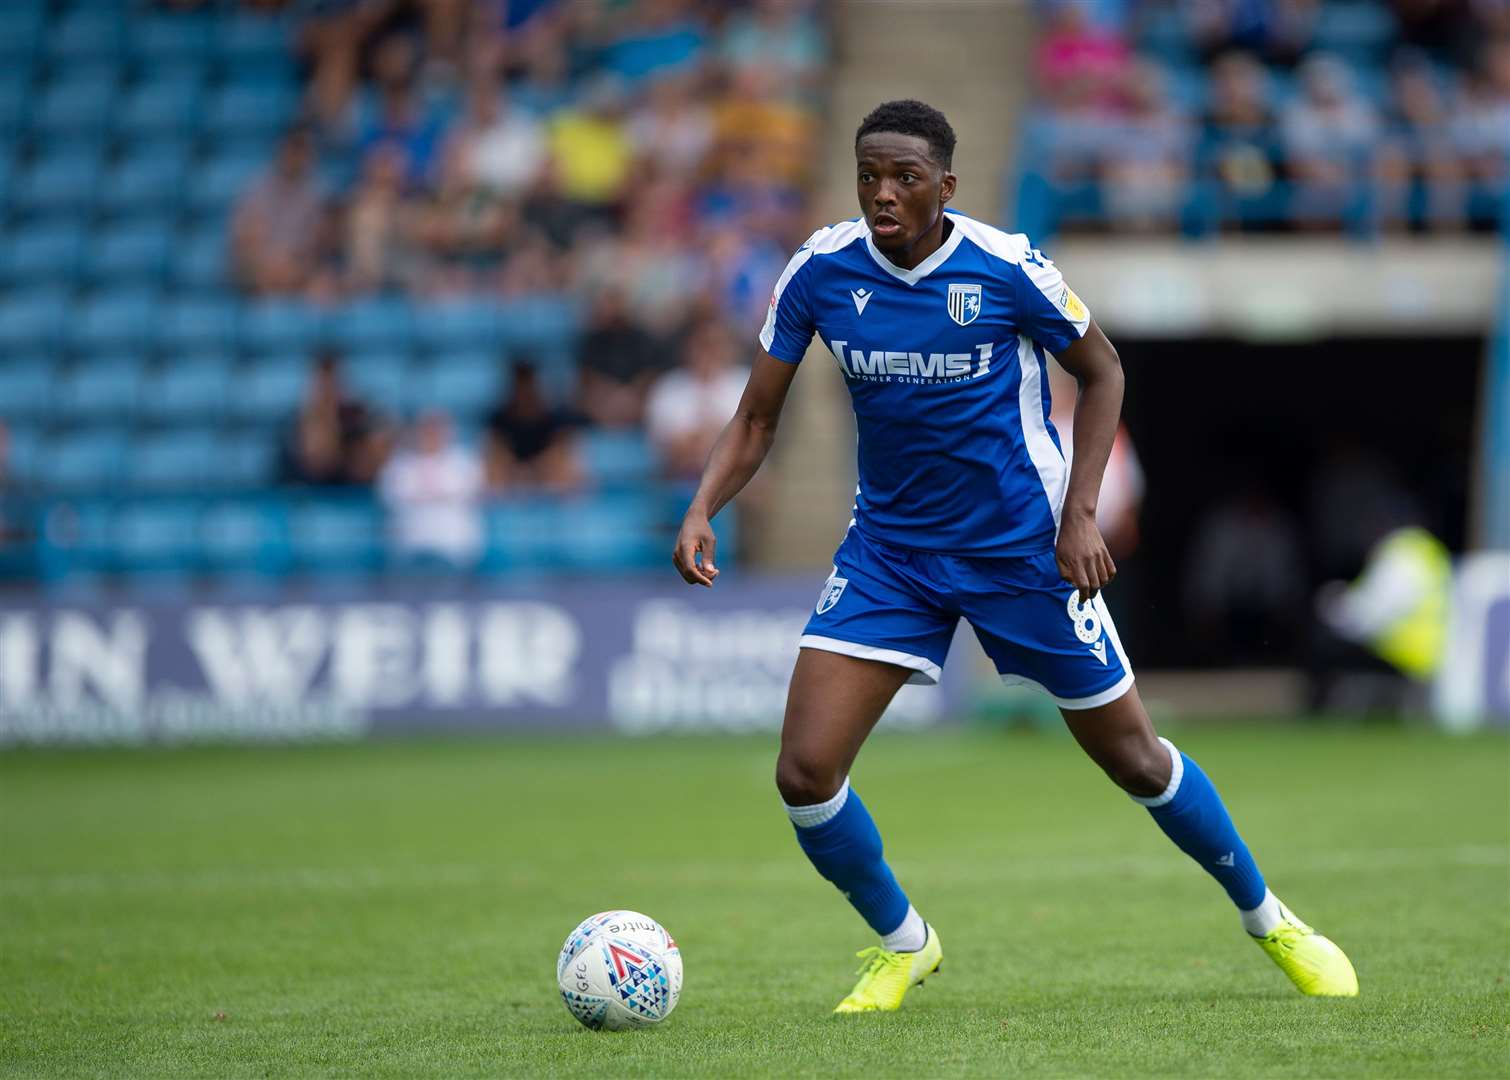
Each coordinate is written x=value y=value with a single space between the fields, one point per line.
x=946 y=187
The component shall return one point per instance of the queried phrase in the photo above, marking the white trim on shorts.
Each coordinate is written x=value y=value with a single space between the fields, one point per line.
x=926 y=672
x=1105 y=697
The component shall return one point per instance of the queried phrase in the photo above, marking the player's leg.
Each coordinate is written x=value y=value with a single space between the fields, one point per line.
x=833 y=703
x=1119 y=737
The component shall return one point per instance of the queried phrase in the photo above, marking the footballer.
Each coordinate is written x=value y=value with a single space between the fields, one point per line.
x=942 y=327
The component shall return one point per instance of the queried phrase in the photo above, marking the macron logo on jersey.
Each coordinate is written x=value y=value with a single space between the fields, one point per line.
x=899 y=365
x=861 y=298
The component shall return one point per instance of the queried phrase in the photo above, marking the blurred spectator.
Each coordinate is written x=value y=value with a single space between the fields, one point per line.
x=1328 y=133
x=688 y=407
x=531 y=442
x=1239 y=148
x=779 y=37
x=1419 y=173
x=1081 y=65
x=1447 y=30
x=433 y=491
x=500 y=149
x=616 y=360
x=380 y=222
x=277 y=227
x=1144 y=156
x=671 y=129
x=1278 y=30
x=401 y=119
x=591 y=150
x=1244 y=586
x=334 y=439
x=1481 y=131
x=655 y=37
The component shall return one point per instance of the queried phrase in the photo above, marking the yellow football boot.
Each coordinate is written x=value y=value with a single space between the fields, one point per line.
x=1314 y=963
x=885 y=977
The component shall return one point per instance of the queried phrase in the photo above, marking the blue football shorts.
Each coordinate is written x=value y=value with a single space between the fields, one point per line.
x=901 y=607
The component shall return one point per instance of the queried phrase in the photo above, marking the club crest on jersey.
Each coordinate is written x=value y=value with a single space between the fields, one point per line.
x=833 y=588
x=964 y=303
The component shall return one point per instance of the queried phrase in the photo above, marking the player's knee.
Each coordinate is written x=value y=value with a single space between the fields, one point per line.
x=804 y=779
x=1139 y=769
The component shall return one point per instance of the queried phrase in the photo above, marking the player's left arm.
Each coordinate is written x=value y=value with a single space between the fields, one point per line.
x=1081 y=552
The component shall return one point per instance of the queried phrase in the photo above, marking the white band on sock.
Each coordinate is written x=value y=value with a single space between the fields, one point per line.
x=805 y=817
x=1264 y=919
x=911 y=936
x=1176 y=772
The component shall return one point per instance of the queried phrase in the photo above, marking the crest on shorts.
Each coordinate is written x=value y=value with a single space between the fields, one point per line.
x=964 y=303
x=833 y=588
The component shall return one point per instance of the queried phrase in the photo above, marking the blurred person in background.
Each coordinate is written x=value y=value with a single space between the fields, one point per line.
x=1239 y=148
x=530 y=441
x=334 y=440
x=590 y=148
x=617 y=359
x=380 y=225
x=432 y=488
x=1328 y=134
x=1481 y=131
x=1419 y=175
x=400 y=117
x=1245 y=580
x=671 y=126
x=779 y=37
x=500 y=150
x=1278 y=30
x=689 y=406
x=278 y=226
x=1081 y=63
x=1144 y=156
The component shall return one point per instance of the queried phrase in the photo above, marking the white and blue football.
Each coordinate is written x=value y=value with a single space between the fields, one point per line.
x=619 y=970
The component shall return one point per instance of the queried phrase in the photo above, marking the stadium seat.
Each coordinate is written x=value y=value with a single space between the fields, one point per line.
x=78 y=104
x=465 y=386
x=377 y=323
x=125 y=318
x=15 y=99
x=20 y=31
x=244 y=535
x=149 y=179
x=26 y=386
x=156 y=39
x=335 y=534
x=190 y=323
x=98 y=388
x=382 y=380
x=522 y=535
x=215 y=185
x=25 y=446
x=200 y=261
x=32 y=318
x=248 y=459
x=618 y=459
x=135 y=252
x=88 y=32
x=59 y=181
x=192 y=388
x=85 y=460
x=155 y=535
x=280 y=326
x=458 y=324
x=611 y=532
x=177 y=459
x=248 y=37
x=269 y=392
x=166 y=104
x=539 y=323
x=43 y=251
x=244 y=109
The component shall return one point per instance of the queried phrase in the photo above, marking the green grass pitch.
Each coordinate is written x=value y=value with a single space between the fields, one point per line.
x=394 y=909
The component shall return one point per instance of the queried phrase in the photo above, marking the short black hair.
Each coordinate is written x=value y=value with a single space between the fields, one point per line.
x=909 y=117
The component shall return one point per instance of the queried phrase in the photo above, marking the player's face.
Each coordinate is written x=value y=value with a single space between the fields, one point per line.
x=902 y=191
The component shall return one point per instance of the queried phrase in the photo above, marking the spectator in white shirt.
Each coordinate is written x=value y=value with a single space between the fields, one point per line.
x=433 y=490
x=689 y=406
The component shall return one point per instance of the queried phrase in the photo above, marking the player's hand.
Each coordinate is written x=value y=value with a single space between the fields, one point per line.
x=1081 y=554
x=696 y=536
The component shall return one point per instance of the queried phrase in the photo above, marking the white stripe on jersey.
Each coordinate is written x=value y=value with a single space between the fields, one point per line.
x=827 y=239
x=1040 y=270
x=1045 y=455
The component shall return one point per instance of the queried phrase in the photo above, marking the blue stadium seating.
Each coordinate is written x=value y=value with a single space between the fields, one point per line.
x=155 y=535
x=59 y=181
x=216 y=183
x=374 y=323
x=81 y=103
x=125 y=317
x=135 y=252
x=26 y=386
x=156 y=39
x=32 y=318
x=459 y=324
x=201 y=259
x=25 y=445
x=20 y=30
x=244 y=535
x=465 y=386
x=47 y=250
x=191 y=324
x=382 y=379
x=270 y=391
x=89 y=32
x=149 y=179
x=280 y=326
x=243 y=37
x=192 y=388
x=247 y=459
x=610 y=532
x=173 y=460
x=99 y=389
x=618 y=459
x=250 y=109
x=168 y=103
x=336 y=536
x=84 y=460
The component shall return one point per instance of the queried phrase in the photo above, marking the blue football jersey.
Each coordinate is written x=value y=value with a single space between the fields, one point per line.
x=945 y=365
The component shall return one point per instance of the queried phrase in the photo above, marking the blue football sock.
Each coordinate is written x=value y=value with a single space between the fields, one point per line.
x=1192 y=815
x=842 y=843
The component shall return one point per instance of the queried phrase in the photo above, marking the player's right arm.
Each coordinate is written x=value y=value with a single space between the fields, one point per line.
x=735 y=458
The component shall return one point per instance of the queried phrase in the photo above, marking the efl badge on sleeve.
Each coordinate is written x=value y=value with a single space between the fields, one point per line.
x=964 y=303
